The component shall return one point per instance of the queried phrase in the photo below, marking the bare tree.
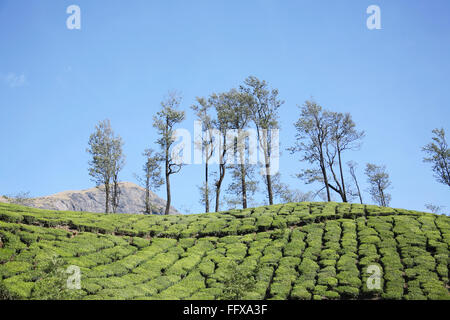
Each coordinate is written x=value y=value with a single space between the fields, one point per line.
x=352 y=167
x=164 y=122
x=264 y=108
x=379 y=182
x=312 y=135
x=439 y=156
x=106 y=163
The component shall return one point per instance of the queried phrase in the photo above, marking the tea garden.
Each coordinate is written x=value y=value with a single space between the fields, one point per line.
x=290 y=251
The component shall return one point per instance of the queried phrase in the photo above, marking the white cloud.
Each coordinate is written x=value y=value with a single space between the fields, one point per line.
x=14 y=80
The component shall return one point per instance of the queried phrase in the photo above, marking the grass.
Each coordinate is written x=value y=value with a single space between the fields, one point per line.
x=290 y=251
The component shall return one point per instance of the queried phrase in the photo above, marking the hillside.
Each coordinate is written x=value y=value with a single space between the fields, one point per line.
x=294 y=251
x=93 y=200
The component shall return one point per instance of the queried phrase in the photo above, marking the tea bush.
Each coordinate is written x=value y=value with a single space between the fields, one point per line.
x=292 y=251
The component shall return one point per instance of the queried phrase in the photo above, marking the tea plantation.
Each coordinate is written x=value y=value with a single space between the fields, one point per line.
x=290 y=251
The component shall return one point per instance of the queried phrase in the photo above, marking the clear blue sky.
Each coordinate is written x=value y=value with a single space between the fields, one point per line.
x=56 y=84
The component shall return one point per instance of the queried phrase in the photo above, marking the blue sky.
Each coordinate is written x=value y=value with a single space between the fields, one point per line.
x=56 y=83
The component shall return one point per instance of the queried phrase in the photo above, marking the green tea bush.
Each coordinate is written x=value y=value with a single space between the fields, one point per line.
x=289 y=251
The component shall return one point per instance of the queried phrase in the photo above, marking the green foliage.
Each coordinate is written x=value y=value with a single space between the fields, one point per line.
x=293 y=251
x=237 y=282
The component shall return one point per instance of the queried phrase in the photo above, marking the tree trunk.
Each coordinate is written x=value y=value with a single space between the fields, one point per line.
x=147 y=195
x=167 y=184
x=219 y=184
x=327 y=186
x=168 y=194
x=380 y=190
x=244 y=187
x=106 y=197
x=338 y=188
x=221 y=171
x=115 y=194
x=324 y=173
x=359 y=191
x=268 y=173
x=446 y=178
x=344 y=198
x=243 y=183
x=206 y=188
x=269 y=186
x=352 y=172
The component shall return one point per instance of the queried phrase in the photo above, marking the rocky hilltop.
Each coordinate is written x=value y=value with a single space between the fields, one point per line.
x=93 y=200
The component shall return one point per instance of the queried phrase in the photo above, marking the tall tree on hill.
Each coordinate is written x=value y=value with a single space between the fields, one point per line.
x=224 y=105
x=151 y=179
x=164 y=122
x=242 y=171
x=439 y=156
x=342 y=136
x=379 y=182
x=206 y=143
x=313 y=130
x=107 y=161
x=118 y=163
x=263 y=110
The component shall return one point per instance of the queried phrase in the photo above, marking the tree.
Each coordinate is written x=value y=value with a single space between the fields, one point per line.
x=243 y=185
x=206 y=143
x=152 y=177
x=118 y=162
x=342 y=136
x=312 y=133
x=164 y=122
x=379 y=182
x=283 y=193
x=434 y=208
x=439 y=156
x=287 y=195
x=106 y=163
x=264 y=107
x=239 y=116
x=21 y=198
x=224 y=105
x=352 y=167
x=232 y=115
